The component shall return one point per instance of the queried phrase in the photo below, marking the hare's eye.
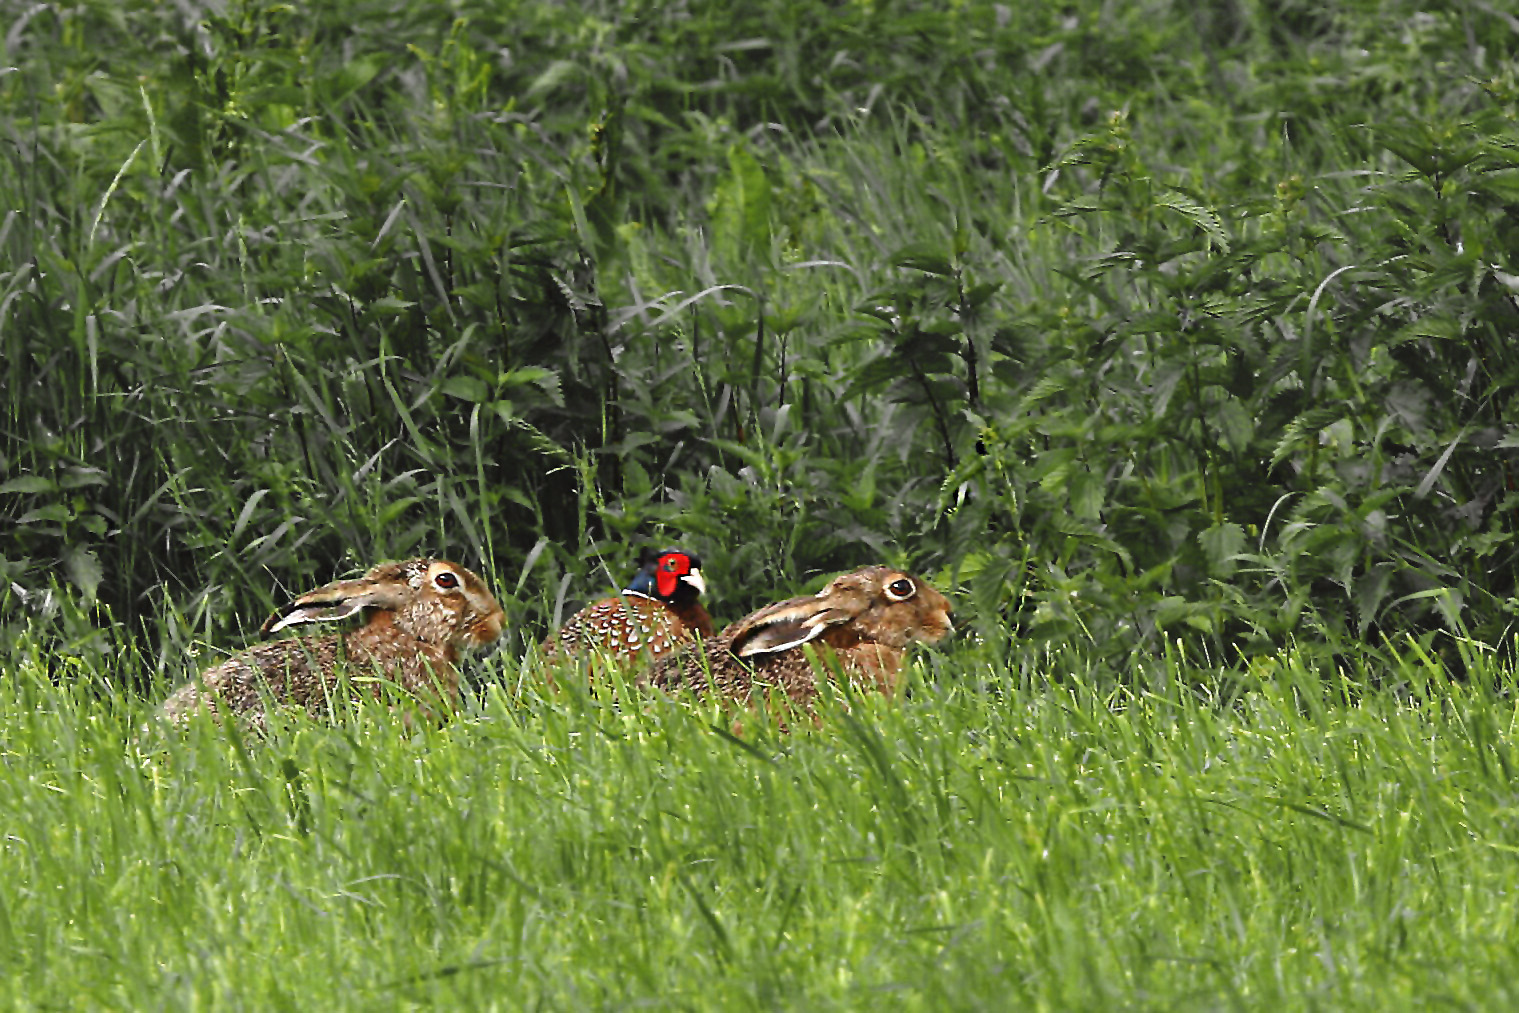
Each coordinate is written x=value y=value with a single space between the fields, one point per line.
x=446 y=580
x=900 y=589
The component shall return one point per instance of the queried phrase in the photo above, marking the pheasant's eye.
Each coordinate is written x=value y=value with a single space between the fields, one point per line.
x=900 y=589
x=446 y=580
x=672 y=563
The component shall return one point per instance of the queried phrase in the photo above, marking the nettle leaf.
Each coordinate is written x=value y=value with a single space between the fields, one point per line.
x=77 y=478
x=29 y=484
x=546 y=380
x=1303 y=430
x=481 y=294
x=1235 y=424
x=1091 y=535
x=927 y=357
x=1079 y=205
x=1163 y=386
x=54 y=513
x=925 y=257
x=976 y=295
x=740 y=205
x=1439 y=326
x=887 y=313
x=1051 y=469
x=1431 y=151
x=1087 y=493
x=1411 y=144
x=84 y=570
x=1501 y=184
x=930 y=350
x=390 y=306
x=941 y=325
x=1410 y=403
x=465 y=388
x=556 y=74
x=939 y=390
x=635 y=479
x=1221 y=543
x=1370 y=592
x=874 y=376
x=1045 y=388
x=1204 y=218
x=1011 y=373
x=1198 y=615
x=354 y=74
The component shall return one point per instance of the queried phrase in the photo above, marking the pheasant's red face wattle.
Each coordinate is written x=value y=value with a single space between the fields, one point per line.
x=672 y=567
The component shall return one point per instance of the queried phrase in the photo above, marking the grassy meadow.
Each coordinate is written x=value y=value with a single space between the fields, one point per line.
x=996 y=841
x=1174 y=341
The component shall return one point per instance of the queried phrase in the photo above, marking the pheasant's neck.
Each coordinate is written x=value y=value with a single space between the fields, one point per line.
x=693 y=616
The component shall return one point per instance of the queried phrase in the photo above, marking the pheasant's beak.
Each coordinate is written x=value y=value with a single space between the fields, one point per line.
x=694 y=578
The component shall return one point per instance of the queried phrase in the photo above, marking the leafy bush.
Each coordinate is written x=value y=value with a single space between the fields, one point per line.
x=1137 y=322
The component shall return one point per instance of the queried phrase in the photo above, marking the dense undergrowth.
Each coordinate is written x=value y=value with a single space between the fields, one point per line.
x=1174 y=340
x=1130 y=321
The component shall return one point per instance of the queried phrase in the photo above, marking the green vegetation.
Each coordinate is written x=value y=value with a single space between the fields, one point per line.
x=1134 y=320
x=1175 y=340
x=995 y=840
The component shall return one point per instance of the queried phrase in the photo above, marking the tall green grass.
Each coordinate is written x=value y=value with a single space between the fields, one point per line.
x=1019 y=833
x=1135 y=321
x=1174 y=339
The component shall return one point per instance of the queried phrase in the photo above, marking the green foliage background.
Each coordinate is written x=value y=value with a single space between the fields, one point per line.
x=1128 y=320
x=997 y=841
x=1163 y=335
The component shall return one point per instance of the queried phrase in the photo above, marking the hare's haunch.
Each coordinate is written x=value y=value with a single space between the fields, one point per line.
x=420 y=615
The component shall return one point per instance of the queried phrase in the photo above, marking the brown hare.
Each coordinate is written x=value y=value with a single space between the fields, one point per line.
x=863 y=620
x=656 y=613
x=419 y=616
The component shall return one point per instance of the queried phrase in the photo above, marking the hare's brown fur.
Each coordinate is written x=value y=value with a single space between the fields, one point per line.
x=420 y=616
x=861 y=620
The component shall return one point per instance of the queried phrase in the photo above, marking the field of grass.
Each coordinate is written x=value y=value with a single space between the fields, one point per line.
x=1175 y=341
x=1015 y=835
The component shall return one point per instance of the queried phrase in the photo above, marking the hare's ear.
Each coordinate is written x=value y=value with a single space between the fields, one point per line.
x=786 y=625
x=338 y=600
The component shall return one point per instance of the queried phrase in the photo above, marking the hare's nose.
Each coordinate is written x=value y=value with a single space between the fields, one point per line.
x=486 y=632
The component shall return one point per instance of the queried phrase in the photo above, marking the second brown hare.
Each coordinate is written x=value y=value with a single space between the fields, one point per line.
x=865 y=621
x=419 y=616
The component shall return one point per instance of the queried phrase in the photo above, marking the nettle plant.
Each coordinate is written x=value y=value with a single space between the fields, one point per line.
x=1248 y=423
x=291 y=289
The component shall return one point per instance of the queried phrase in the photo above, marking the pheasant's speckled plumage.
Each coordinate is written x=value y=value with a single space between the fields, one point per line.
x=421 y=615
x=865 y=620
x=658 y=612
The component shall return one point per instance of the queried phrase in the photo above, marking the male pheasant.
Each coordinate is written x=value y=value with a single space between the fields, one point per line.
x=657 y=612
